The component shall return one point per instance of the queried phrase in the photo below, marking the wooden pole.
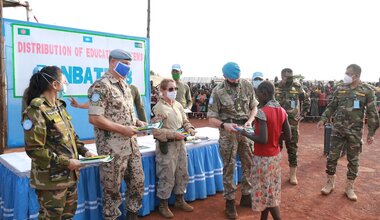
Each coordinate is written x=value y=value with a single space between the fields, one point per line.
x=3 y=86
x=148 y=25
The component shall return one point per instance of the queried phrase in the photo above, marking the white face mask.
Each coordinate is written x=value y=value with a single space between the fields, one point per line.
x=171 y=95
x=347 y=79
x=256 y=83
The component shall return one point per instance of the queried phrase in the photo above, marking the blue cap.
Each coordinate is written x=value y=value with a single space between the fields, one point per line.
x=231 y=71
x=259 y=75
x=120 y=54
x=176 y=67
x=36 y=70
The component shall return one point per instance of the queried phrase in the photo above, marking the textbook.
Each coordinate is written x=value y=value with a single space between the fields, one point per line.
x=96 y=159
x=157 y=125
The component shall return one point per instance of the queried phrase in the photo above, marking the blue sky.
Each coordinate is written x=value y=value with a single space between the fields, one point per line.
x=317 y=39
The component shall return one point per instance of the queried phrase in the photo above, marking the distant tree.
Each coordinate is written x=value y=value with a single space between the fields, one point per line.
x=152 y=73
x=299 y=77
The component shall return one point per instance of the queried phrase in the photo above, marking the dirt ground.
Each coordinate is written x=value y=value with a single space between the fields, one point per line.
x=305 y=201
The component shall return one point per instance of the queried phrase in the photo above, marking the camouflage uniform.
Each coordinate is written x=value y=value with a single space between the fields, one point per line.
x=233 y=105
x=348 y=108
x=296 y=103
x=50 y=142
x=138 y=103
x=112 y=99
x=171 y=167
x=184 y=95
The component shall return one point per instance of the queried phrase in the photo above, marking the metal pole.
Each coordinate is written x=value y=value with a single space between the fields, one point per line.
x=148 y=26
x=3 y=86
x=27 y=10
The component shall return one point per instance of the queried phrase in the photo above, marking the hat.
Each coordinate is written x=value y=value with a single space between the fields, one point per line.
x=120 y=54
x=231 y=70
x=259 y=75
x=176 y=67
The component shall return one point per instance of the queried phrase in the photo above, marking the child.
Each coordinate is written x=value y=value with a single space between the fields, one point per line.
x=266 y=173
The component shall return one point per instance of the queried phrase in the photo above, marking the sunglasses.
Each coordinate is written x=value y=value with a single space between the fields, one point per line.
x=172 y=89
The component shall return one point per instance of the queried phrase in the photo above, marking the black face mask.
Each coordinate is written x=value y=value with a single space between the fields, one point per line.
x=232 y=84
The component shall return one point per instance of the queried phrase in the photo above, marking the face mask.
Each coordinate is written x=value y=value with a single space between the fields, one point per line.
x=256 y=83
x=232 y=84
x=171 y=95
x=122 y=69
x=347 y=79
x=176 y=76
x=63 y=91
x=289 y=79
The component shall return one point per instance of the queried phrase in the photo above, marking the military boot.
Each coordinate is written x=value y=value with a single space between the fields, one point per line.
x=131 y=216
x=329 y=185
x=230 y=210
x=246 y=201
x=350 y=190
x=293 y=177
x=181 y=204
x=164 y=210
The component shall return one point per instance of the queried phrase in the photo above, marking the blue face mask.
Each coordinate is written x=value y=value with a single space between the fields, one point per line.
x=122 y=69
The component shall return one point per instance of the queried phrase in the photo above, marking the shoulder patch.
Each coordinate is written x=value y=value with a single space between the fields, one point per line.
x=27 y=124
x=37 y=102
x=211 y=101
x=95 y=97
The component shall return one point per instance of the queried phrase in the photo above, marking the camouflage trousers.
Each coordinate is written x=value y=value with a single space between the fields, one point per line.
x=292 y=145
x=171 y=170
x=352 y=139
x=129 y=168
x=57 y=204
x=231 y=145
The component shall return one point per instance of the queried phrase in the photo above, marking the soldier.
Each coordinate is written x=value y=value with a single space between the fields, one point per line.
x=183 y=93
x=257 y=78
x=233 y=103
x=111 y=113
x=171 y=156
x=351 y=102
x=295 y=101
x=52 y=144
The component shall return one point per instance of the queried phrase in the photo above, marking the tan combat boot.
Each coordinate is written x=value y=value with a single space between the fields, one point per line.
x=246 y=201
x=230 y=210
x=293 y=177
x=329 y=185
x=181 y=204
x=350 y=190
x=164 y=210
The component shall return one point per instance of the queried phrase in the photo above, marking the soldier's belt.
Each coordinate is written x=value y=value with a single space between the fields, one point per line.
x=239 y=122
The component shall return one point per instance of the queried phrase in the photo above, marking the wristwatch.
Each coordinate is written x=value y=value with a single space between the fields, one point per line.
x=222 y=125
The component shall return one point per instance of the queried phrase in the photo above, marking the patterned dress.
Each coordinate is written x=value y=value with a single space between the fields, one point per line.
x=266 y=173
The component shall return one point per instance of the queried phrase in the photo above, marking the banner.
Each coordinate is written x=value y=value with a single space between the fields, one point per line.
x=82 y=56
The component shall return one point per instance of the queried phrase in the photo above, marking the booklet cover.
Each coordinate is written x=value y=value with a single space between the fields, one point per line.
x=96 y=159
x=150 y=126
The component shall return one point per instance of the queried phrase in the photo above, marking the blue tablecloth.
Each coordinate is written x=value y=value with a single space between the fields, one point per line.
x=19 y=201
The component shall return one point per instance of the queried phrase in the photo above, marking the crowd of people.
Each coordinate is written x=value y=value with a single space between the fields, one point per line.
x=253 y=119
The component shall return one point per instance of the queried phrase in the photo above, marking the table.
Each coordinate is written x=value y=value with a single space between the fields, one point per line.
x=205 y=167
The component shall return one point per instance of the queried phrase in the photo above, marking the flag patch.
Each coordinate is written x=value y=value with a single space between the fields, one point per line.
x=23 y=31
x=138 y=45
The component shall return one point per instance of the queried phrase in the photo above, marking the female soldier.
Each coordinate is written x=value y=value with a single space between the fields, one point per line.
x=171 y=159
x=52 y=144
